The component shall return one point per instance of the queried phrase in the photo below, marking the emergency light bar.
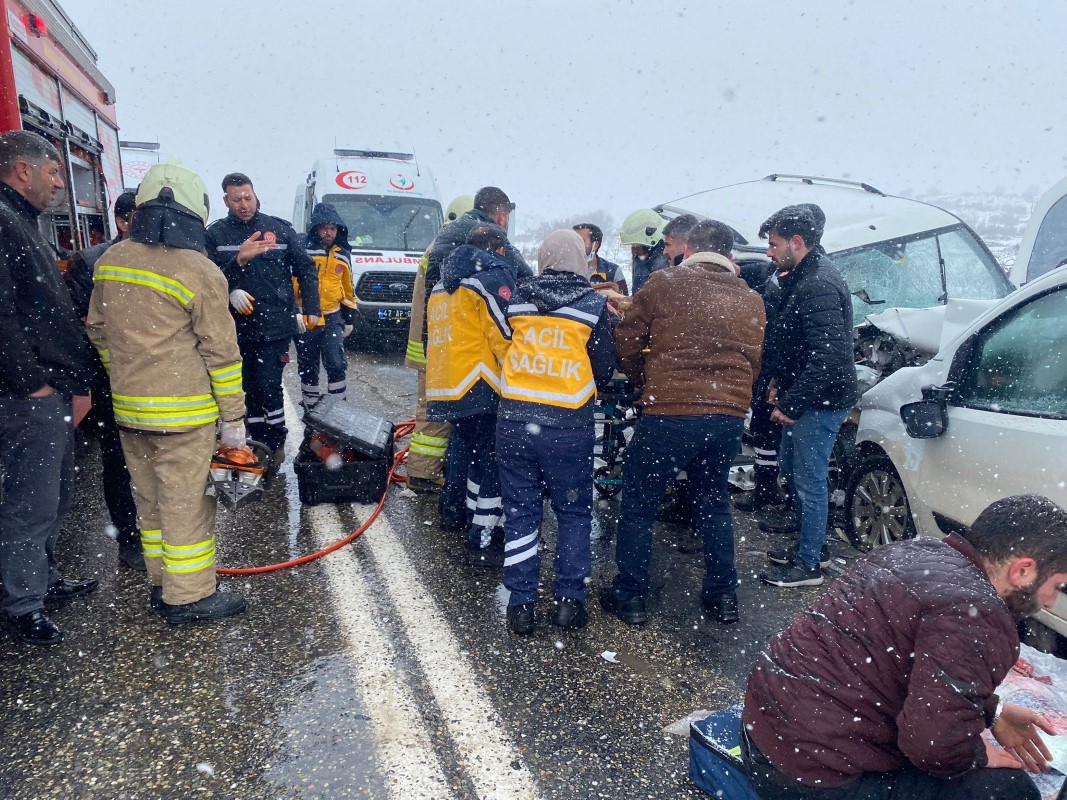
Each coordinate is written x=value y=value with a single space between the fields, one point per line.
x=341 y=153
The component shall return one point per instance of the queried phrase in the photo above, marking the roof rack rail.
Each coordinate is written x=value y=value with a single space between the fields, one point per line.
x=140 y=145
x=810 y=180
x=343 y=152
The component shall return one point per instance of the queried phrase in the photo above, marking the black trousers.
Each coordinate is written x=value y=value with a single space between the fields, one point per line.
x=907 y=783
x=261 y=375
x=118 y=492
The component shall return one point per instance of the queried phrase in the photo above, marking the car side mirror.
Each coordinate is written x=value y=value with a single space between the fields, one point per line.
x=927 y=418
x=924 y=419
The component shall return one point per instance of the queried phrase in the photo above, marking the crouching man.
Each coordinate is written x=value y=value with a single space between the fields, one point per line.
x=884 y=688
x=158 y=317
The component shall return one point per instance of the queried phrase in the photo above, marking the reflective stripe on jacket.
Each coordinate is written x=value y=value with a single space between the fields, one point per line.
x=159 y=318
x=561 y=349
x=465 y=328
x=416 y=352
x=335 y=282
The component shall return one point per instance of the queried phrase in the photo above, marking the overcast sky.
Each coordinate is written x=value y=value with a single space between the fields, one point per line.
x=574 y=106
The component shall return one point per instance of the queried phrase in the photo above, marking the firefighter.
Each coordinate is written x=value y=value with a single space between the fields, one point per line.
x=642 y=232
x=562 y=348
x=260 y=255
x=159 y=321
x=465 y=329
x=429 y=442
x=327 y=244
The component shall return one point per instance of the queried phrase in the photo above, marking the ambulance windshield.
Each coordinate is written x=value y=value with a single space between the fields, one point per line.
x=388 y=223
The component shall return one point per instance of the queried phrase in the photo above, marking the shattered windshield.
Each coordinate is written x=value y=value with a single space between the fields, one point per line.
x=388 y=223
x=907 y=273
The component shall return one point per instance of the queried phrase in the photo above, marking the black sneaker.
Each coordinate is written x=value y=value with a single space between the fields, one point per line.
x=631 y=611
x=792 y=575
x=723 y=607
x=780 y=522
x=34 y=627
x=570 y=614
x=783 y=555
x=521 y=619
x=216 y=606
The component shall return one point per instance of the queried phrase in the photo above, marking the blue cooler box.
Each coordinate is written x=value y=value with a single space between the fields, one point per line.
x=715 y=764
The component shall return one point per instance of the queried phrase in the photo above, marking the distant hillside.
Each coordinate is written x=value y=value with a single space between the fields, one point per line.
x=999 y=219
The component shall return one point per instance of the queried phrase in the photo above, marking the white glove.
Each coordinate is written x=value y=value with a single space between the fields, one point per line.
x=233 y=434
x=348 y=331
x=241 y=301
x=301 y=325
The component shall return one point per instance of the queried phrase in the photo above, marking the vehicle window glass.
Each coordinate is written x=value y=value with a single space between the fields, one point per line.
x=906 y=273
x=970 y=273
x=902 y=274
x=1019 y=363
x=1050 y=246
x=388 y=223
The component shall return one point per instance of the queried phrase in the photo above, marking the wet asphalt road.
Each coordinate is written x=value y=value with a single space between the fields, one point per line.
x=384 y=670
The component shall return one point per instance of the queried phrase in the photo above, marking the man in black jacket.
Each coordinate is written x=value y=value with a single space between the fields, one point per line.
x=813 y=380
x=46 y=361
x=260 y=255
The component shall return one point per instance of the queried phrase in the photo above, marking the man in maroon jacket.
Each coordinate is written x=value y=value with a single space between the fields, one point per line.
x=883 y=689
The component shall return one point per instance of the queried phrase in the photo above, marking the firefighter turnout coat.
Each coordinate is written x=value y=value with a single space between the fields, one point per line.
x=466 y=327
x=159 y=318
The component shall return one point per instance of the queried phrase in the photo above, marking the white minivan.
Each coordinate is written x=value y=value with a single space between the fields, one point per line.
x=984 y=419
x=390 y=204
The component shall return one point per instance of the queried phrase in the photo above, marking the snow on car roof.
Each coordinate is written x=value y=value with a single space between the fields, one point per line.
x=856 y=214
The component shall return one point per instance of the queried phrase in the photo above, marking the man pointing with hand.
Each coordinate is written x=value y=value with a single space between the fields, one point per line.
x=260 y=255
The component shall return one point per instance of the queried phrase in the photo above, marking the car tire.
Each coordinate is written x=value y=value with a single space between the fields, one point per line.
x=876 y=505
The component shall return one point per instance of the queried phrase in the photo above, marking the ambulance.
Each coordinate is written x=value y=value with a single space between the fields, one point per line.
x=390 y=204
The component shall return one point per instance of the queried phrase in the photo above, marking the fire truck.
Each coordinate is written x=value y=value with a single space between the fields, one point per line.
x=50 y=84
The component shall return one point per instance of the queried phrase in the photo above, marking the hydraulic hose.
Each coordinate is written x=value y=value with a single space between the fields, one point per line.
x=399 y=432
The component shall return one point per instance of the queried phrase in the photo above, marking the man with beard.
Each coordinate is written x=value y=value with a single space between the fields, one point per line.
x=883 y=689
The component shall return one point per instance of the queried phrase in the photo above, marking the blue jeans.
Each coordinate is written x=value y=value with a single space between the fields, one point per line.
x=805 y=463
x=703 y=446
x=325 y=344
x=560 y=459
x=37 y=454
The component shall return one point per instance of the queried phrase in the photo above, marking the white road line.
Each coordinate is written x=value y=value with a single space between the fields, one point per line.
x=487 y=755
x=403 y=750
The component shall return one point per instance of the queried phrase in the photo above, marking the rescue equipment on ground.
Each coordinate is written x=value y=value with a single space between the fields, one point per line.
x=238 y=473
x=345 y=456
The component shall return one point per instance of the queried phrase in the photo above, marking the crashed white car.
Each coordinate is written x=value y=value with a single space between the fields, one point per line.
x=985 y=418
x=912 y=268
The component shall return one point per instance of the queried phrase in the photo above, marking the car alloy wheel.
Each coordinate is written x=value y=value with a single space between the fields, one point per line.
x=876 y=505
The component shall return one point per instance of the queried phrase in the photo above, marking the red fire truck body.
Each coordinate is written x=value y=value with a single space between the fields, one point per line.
x=50 y=84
